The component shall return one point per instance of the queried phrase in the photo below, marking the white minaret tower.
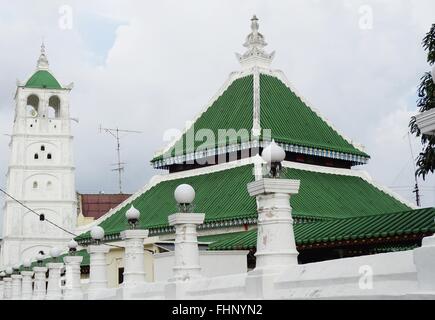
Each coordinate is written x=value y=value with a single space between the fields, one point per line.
x=41 y=170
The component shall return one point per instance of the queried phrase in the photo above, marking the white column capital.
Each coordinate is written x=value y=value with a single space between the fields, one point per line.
x=40 y=269
x=271 y=185
x=16 y=276
x=98 y=248
x=27 y=273
x=186 y=218
x=134 y=234
x=55 y=265
x=73 y=259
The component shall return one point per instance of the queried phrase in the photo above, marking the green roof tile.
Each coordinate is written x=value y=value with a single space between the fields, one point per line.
x=43 y=79
x=407 y=222
x=223 y=196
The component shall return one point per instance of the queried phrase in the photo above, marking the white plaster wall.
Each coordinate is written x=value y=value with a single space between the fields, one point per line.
x=213 y=263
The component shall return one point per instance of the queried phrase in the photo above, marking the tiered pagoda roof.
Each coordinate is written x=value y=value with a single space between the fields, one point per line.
x=258 y=99
x=334 y=203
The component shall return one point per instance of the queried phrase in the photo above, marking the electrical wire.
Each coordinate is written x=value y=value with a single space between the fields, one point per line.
x=45 y=219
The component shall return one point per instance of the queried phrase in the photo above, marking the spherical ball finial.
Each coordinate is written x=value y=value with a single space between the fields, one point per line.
x=9 y=270
x=27 y=263
x=55 y=252
x=184 y=194
x=16 y=267
x=72 y=244
x=97 y=233
x=273 y=153
x=2 y=274
x=132 y=213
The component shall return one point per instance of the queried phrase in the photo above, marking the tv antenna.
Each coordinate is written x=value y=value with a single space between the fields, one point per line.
x=119 y=165
x=416 y=188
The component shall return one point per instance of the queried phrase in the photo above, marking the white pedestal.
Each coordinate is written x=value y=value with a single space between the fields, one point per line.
x=54 y=288
x=40 y=283
x=73 y=290
x=186 y=245
x=134 y=259
x=276 y=246
x=16 y=286
x=26 y=289
x=424 y=259
x=98 y=267
x=8 y=288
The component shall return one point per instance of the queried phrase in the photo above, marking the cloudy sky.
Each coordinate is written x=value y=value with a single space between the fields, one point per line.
x=152 y=65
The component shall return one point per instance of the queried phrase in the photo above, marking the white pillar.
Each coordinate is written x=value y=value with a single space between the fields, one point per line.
x=134 y=258
x=2 y=289
x=276 y=244
x=16 y=286
x=186 y=245
x=54 y=288
x=98 y=267
x=73 y=289
x=40 y=283
x=7 y=288
x=26 y=289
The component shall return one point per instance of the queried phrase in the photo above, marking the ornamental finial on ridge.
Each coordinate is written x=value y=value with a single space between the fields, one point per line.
x=42 y=63
x=255 y=42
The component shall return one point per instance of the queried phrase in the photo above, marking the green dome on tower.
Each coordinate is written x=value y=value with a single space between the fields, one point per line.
x=42 y=78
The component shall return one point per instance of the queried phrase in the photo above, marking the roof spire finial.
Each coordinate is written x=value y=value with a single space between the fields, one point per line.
x=42 y=61
x=255 y=55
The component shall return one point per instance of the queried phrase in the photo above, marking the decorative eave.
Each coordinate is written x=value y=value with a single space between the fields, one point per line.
x=164 y=162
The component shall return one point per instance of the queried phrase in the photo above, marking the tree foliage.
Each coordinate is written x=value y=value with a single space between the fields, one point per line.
x=426 y=101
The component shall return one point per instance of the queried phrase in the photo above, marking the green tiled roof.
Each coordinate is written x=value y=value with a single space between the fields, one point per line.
x=375 y=226
x=233 y=110
x=223 y=196
x=43 y=79
x=291 y=121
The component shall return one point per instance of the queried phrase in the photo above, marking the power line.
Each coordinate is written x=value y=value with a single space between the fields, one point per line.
x=45 y=219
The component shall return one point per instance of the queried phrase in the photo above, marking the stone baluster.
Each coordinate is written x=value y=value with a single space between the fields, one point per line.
x=16 y=286
x=134 y=258
x=40 y=283
x=187 y=265
x=27 y=285
x=54 y=288
x=73 y=289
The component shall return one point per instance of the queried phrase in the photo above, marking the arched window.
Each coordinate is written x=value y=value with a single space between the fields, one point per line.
x=36 y=156
x=35 y=185
x=54 y=107
x=42 y=148
x=49 y=156
x=49 y=185
x=32 y=106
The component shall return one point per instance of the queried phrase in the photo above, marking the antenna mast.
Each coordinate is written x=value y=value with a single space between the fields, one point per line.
x=416 y=188
x=119 y=165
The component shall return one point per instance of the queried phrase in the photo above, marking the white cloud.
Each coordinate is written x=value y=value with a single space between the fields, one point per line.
x=169 y=58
